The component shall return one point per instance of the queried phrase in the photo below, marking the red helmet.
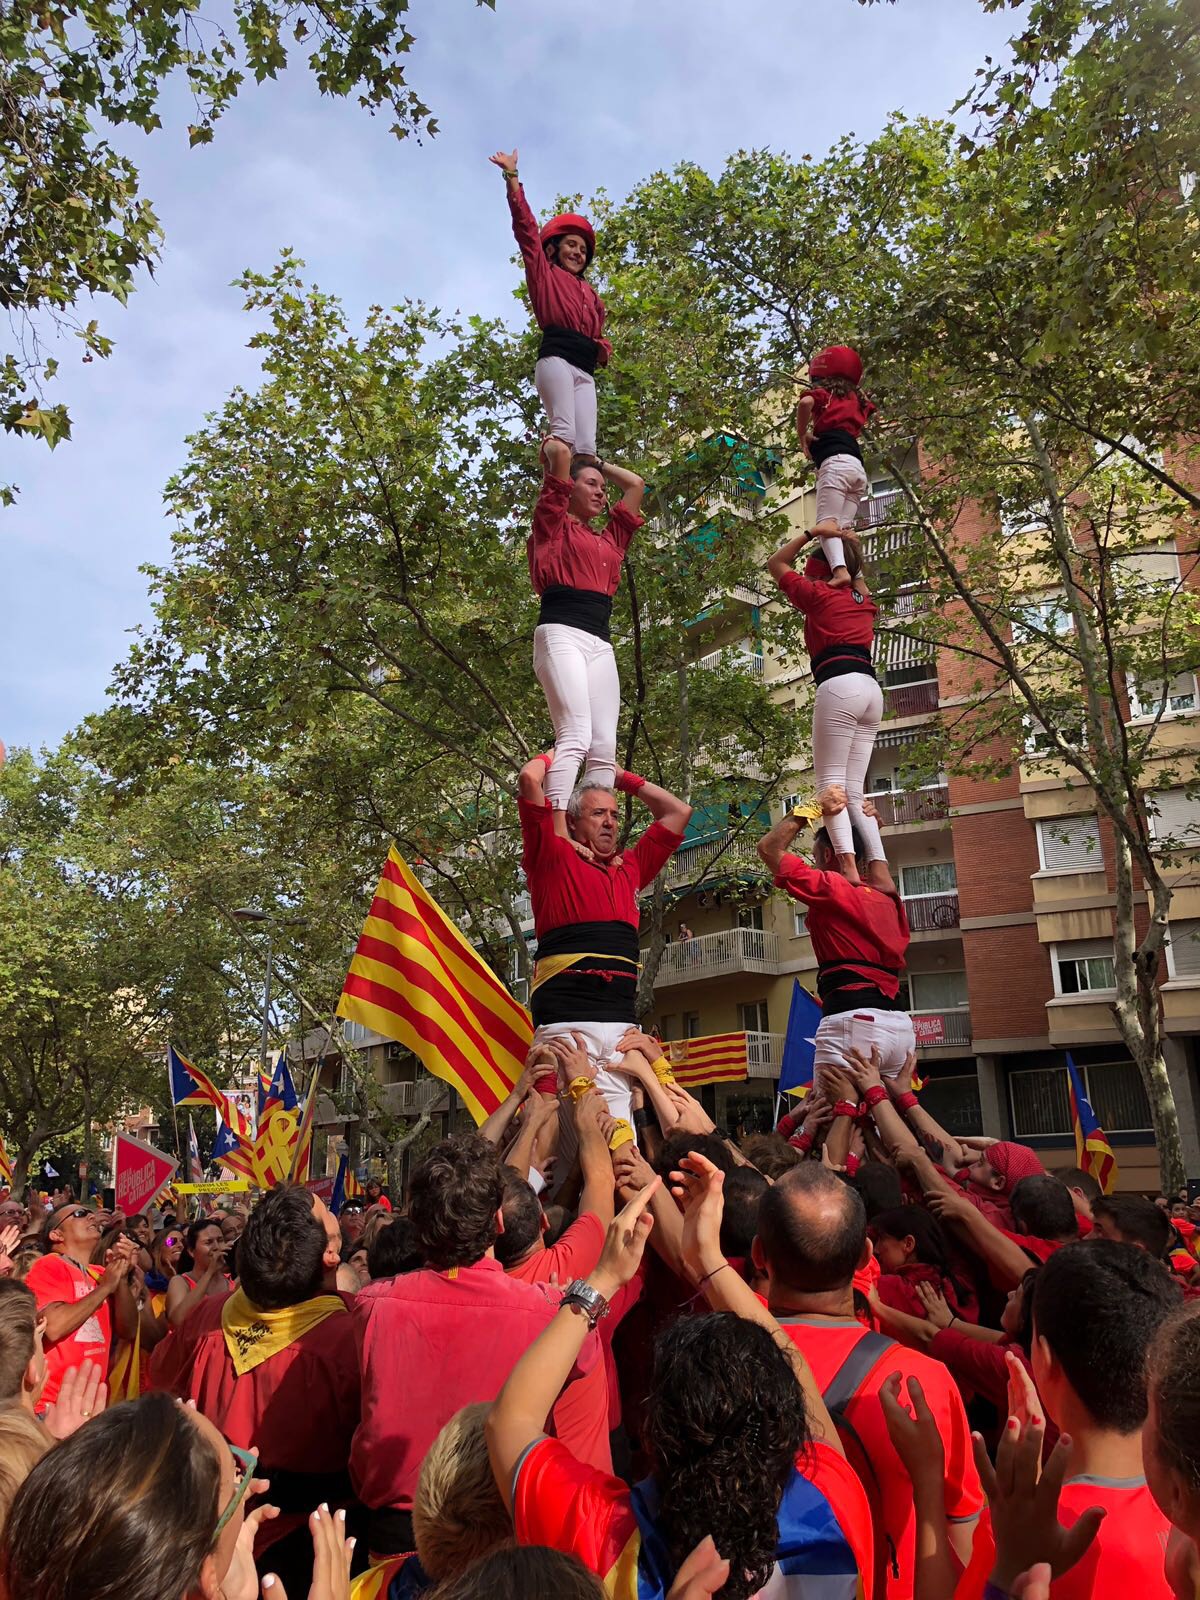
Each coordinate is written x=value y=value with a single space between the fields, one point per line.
x=837 y=361
x=569 y=222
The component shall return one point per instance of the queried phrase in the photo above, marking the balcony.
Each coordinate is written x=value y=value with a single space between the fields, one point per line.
x=729 y=756
x=720 y=955
x=901 y=808
x=727 y=854
x=937 y=1029
x=931 y=913
x=750 y=661
x=410 y=1099
x=878 y=509
x=910 y=699
x=764 y=1054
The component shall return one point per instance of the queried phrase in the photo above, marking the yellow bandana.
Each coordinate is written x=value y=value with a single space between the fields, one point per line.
x=663 y=1072
x=253 y=1336
x=622 y=1134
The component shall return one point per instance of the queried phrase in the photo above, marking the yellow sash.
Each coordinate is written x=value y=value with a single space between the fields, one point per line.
x=550 y=966
x=253 y=1336
x=373 y=1584
x=622 y=1134
x=125 y=1379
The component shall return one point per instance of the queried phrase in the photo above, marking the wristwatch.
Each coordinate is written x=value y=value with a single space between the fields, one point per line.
x=590 y=1301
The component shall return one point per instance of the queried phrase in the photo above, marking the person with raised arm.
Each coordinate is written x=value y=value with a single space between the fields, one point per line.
x=575 y=570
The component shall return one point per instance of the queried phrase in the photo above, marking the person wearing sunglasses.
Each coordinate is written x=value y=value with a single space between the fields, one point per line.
x=81 y=1304
x=150 y=1500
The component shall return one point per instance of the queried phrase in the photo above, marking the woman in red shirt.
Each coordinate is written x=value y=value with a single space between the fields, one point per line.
x=829 y=419
x=568 y=310
x=839 y=631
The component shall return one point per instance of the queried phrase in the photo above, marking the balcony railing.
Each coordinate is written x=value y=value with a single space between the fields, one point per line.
x=729 y=755
x=903 y=807
x=764 y=1054
x=911 y=699
x=718 y=955
x=402 y=1099
x=935 y=1029
x=750 y=661
x=878 y=508
x=724 y=854
x=931 y=913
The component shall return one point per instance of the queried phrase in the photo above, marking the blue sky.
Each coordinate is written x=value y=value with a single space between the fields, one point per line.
x=594 y=95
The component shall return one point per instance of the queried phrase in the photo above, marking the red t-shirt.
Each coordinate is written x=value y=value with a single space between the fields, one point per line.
x=298 y=1408
x=826 y=1344
x=1125 y=1558
x=848 y=413
x=56 y=1279
x=564 y=888
x=561 y=1503
x=559 y=298
x=561 y=549
x=831 y=616
x=430 y=1343
x=849 y=923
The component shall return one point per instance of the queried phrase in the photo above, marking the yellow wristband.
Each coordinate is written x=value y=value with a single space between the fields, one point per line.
x=622 y=1134
x=578 y=1087
x=662 y=1071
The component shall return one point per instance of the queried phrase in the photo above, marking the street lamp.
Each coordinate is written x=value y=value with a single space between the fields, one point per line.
x=253 y=914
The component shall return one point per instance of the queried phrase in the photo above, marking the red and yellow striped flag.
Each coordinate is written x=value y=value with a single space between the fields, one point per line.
x=415 y=979
x=5 y=1166
x=717 y=1058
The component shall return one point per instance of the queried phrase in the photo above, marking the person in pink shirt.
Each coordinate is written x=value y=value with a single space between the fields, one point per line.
x=576 y=570
x=568 y=310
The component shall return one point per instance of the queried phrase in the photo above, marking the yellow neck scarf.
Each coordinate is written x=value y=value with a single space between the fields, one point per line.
x=253 y=1336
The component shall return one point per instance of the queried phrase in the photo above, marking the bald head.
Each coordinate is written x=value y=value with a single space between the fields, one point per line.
x=812 y=1230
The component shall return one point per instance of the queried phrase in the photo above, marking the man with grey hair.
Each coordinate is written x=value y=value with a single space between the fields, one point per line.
x=585 y=914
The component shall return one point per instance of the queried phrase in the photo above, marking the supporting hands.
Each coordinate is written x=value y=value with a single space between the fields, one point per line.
x=699 y=1187
x=625 y=1243
x=572 y=1057
x=631 y=1171
x=83 y=1393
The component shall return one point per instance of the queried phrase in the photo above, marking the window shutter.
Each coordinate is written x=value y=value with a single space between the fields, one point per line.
x=1071 y=844
x=1185 y=948
x=1177 y=816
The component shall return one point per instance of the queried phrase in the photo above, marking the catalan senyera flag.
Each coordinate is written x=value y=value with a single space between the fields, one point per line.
x=1093 y=1153
x=715 y=1058
x=414 y=978
x=302 y=1151
x=5 y=1165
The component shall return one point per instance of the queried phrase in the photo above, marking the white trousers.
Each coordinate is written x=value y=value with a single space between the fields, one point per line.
x=569 y=397
x=841 y=485
x=889 y=1032
x=601 y=1039
x=578 y=675
x=846 y=718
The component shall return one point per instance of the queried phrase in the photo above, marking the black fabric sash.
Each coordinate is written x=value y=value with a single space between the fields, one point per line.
x=841 y=988
x=586 y=609
x=837 y=442
x=576 y=348
x=838 y=659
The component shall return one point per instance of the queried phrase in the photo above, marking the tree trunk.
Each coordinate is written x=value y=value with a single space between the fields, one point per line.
x=395 y=1155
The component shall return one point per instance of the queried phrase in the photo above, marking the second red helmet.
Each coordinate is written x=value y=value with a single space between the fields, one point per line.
x=837 y=361
x=570 y=222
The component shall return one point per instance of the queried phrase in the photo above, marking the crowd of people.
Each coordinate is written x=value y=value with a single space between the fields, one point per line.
x=854 y=1357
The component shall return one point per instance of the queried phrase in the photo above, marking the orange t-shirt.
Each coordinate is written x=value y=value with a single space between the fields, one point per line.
x=826 y=1343
x=55 y=1279
x=1125 y=1558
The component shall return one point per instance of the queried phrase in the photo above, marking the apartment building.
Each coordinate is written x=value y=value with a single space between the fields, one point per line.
x=1009 y=892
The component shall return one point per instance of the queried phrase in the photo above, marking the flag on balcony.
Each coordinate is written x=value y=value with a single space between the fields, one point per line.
x=415 y=979
x=1093 y=1153
x=799 y=1046
x=717 y=1058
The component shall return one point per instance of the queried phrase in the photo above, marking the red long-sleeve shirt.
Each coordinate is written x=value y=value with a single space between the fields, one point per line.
x=831 y=616
x=561 y=549
x=849 y=923
x=842 y=413
x=559 y=298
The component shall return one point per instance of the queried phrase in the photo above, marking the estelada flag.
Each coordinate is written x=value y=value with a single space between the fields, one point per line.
x=715 y=1058
x=1093 y=1153
x=414 y=978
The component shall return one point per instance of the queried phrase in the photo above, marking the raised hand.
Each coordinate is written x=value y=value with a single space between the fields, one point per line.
x=83 y=1393
x=832 y=800
x=937 y=1309
x=625 y=1242
x=862 y=1073
x=699 y=1187
x=572 y=1056
x=10 y=1238
x=631 y=1171
x=692 y=1117
x=914 y=1434
x=635 y=1039
x=505 y=160
x=1024 y=1508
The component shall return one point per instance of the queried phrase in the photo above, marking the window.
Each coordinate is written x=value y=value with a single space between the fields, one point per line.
x=1175 y=816
x=920 y=672
x=666 y=1028
x=791 y=802
x=1034 y=619
x=1041 y=1100
x=691 y=1024
x=750 y=917
x=752 y=1016
x=354 y=1032
x=1083 y=966
x=954 y=1102
x=1155 y=566
x=937 y=991
x=1072 y=725
x=928 y=878
x=1021 y=516
x=1183 y=949
x=1041 y=1103
x=1162 y=698
x=799 y=921
x=1070 y=844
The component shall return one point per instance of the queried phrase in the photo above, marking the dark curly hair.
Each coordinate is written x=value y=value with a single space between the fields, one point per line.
x=455 y=1195
x=1174 y=1370
x=725 y=1421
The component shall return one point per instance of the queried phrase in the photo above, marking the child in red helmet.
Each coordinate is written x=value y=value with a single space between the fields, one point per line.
x=830 y=417
x=569 y=312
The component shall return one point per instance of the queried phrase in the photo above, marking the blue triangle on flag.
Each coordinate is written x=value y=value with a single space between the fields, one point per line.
x=799 y=1050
